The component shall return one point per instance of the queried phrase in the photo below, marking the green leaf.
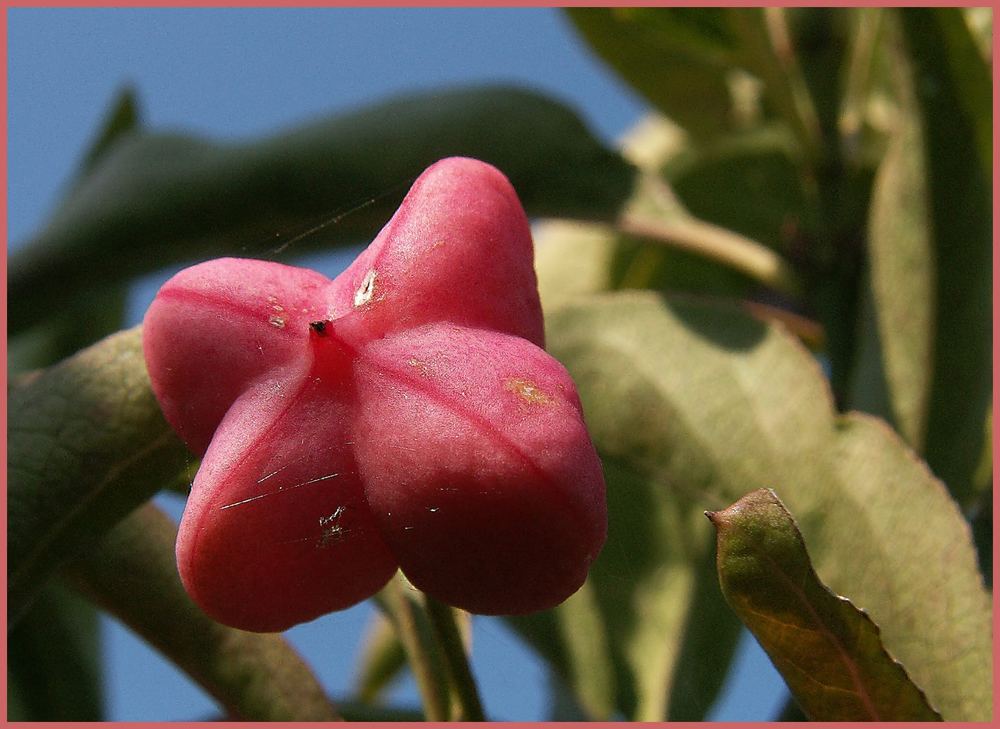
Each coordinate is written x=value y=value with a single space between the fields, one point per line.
x=54 y=673
x=160 y=199
x=829 y=652
x=649 y=609
x=254 y=676
x=87 y=443
x=766 y=50
x=924 y=362
x=93 y=317
x=103 y=311
x=121 y=119
x=692 y=403
x=817 y=42
x=892 y=377
x=659 y=244
x=353 y=710
x=971 y=74
x=951 y=92
x=748 y=182
x=678 y=58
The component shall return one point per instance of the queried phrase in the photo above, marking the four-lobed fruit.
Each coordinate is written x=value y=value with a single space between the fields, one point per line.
x=402 y=415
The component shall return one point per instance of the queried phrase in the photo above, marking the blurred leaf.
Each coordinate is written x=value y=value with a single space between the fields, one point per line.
x=951 y=89
x=87 y=443
x=573 y=639
x=572 y=258
x=382 y=661
x=982 y=478
x=767 y=51
x=829 y=652
x=659 y=244
x=970 y=76
x=669 y=634
x=121 y=119
x=53 y=672
x=791 y=711
x=982 y=534
x=353 y=710
x=563 y=703
x=892 y=377
x=678 y=58
x=132 y=574
x=818 y=38
x=160 y=199
x=93 y=317
x=690 y=404
x=915 y=301
x=980 y=25
x=103 y=311
x=748 y=182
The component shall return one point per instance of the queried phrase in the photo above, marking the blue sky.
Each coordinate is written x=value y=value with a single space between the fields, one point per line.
x=236 y=74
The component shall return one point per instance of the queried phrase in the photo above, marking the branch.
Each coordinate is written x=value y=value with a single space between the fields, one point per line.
x=418 y=642
x=443 y=621
x=742 y=253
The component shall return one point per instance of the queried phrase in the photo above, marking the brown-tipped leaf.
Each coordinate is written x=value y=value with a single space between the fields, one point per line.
x=829 y=652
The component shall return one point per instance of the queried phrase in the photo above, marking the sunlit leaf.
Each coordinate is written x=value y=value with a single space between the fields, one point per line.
x=691 y=404
x=829 y=652
x=86 y=444
x=254 y=676
x=892 y=377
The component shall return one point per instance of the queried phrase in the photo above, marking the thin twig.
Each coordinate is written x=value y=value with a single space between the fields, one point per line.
x=432 y=682
x=443 y=620
x=766 y=37
x=859 y=71
x=719 y=244
x=806 y=116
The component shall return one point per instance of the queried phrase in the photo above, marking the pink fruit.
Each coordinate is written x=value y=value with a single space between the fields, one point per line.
x=401 y=415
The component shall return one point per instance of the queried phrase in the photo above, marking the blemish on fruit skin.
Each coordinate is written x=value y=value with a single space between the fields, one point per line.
x=332 y=529
x=422 y=367
x=366 y=290
x=276 y=321
x=528 y=391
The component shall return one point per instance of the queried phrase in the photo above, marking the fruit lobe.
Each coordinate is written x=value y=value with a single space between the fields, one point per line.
x=400 y=415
